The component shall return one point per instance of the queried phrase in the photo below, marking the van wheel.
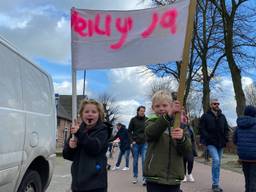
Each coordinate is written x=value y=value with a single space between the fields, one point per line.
x=31 y=182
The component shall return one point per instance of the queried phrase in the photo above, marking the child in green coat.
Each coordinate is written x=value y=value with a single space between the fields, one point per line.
x=164 y=169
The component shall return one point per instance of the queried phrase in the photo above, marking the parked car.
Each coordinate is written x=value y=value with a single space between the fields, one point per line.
x=28 y=123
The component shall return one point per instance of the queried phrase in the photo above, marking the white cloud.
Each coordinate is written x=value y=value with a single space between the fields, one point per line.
x=127 y=110
x=65 y=88
x=130 y=83
x=246 y=81
x=62 y=24
x=14 y=22
x=133 y=82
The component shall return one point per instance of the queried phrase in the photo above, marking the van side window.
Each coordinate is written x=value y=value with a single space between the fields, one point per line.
x=10 y=84
x=36 y=90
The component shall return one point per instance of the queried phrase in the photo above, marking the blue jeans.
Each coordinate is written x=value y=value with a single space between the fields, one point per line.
x=138 y=149
x=127 y=156
x=249 y=170
x=216 y=154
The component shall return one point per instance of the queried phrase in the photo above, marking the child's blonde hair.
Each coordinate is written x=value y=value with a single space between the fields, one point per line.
x=162 y=95
x=94 y=102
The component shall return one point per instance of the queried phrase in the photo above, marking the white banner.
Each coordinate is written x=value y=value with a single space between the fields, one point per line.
x=113 y=39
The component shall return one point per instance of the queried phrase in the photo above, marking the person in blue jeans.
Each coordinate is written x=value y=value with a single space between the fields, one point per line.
x=124 y=146
x=245 y=139
x=136 y=130
x=214 y=130
x=138 y=150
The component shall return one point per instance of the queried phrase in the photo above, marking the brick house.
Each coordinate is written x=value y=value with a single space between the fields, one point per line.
x=64 y=117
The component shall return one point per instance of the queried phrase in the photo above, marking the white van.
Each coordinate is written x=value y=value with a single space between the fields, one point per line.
x=27 y=123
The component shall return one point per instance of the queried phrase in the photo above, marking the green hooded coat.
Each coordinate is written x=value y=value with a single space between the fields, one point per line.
x=164 y=158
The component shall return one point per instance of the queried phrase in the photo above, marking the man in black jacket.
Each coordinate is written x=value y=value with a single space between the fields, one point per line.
x=214 y=134
x=136 y=130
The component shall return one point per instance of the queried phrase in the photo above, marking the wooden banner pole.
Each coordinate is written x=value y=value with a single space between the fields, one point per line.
x=185 y=59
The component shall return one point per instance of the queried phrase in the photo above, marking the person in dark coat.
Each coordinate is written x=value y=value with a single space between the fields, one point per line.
x=214 y=130
x=124 y=146
x=139 y=147
x=245 y=139
x=87 y=150
x=189 y=158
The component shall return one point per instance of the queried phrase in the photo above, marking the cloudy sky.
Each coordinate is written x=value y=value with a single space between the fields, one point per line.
x=41 y=31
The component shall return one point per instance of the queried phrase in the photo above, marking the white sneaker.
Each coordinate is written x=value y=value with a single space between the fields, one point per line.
x=144 y=182
x=190 y=178
x=185 y=178
x=115 y=168
x=135 y=180
x=125 y=169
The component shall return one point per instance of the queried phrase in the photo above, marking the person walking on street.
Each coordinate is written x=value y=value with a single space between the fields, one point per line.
x=167 y=145
x=189 y=158
x=245 y=139
x=214 y=134
x=136 y=130
x=124 y=146
x=87 y=150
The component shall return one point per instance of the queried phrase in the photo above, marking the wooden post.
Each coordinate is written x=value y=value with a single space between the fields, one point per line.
x=185 y=58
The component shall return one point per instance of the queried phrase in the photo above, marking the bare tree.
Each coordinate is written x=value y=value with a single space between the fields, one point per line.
x=206 y=51
x=250 y=93
x=208 y=44
x=194 y=104
x=110 y=109
x=239 y=36
x=162 y=84
x=172 y=69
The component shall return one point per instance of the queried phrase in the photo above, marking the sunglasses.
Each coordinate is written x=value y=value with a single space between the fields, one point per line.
x=216 y=103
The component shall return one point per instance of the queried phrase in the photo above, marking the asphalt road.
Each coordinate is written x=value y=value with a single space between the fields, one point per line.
x=120 y=181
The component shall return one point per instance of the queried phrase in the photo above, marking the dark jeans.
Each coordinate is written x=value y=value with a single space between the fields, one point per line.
x=94 y=190
x=127 y=157
x=249 y=170
x=155 y=187
x=188 y=163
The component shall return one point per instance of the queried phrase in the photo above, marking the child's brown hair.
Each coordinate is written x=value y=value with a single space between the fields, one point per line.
x=94 y=102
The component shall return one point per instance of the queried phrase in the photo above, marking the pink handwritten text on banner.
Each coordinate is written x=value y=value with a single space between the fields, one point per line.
x=88 y=27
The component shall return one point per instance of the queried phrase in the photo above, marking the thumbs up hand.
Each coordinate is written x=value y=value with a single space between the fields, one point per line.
x=74 y=127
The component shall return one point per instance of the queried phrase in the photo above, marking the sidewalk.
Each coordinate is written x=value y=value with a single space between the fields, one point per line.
x=228 y=161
